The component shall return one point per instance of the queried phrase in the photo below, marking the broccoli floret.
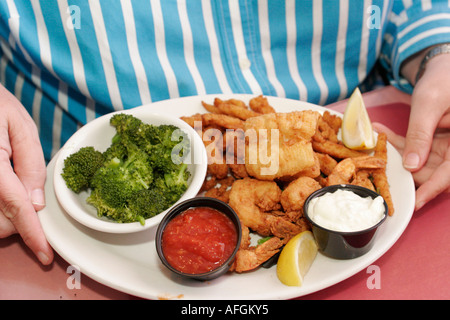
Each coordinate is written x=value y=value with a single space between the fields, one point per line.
x=171 y=152
x=178 y=177
x=126 y=123
x=139 y=177
x=118 y=180
x=130 y=128
x=148 y=203
x=80 y=167
x=162 y=135
x=104 y=209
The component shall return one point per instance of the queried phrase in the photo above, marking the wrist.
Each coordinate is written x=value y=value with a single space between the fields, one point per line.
x=430 y=55
x=414 y=67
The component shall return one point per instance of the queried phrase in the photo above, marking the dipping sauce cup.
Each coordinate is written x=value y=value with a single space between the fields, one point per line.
x=343 y=244
x=199 y=238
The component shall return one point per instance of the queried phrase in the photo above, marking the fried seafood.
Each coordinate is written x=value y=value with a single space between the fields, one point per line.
x=333 y=121
x=364 y=179
x=231 y=108
x=222 y=120
x=249 y=258
x=278 y=145
x=346 y=170
x=294 y=195
x=334 y=149
x=265 y=164
x=292 y=125
x=326 y=162
x=221 y=189
x=252 y=200
x=379 y=176
x=261 y=105
x=257 y=204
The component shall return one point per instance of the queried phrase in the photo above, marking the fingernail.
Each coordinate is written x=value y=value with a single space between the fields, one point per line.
x=43 y=258
x=37 y=197
x=411 y=161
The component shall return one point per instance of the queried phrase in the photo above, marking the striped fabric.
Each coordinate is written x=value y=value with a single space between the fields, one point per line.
x=71 y=61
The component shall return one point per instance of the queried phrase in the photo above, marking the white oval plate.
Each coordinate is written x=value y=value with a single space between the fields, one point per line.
x=129 y=262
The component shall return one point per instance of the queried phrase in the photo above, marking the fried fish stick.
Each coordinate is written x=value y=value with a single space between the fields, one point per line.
x=209 y=107
x=190 y=120
x=335 y=150
x=381 y=184
x=379 y=176
x=380 y=150
x=222 y=120
x=236 y=111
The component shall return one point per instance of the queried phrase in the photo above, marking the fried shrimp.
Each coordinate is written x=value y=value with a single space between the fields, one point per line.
x=252 y=199
x=346 y=170
x=250 y=258
x=294 y=195
x=261 y=105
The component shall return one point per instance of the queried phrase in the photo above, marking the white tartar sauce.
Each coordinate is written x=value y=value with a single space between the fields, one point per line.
x=346 y=211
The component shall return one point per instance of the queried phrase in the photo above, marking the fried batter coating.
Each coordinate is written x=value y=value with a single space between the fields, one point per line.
x=327 y=163
x=346 y=170
x=335 y=150
x=252 y=257
x=222 y=120
x=278 y=145
x=261 y=105
x=334 y=121
x=380 y=179
x=252 y=199
x=294 y=195
x=236 y=111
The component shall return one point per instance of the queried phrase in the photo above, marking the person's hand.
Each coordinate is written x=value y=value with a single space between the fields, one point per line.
x=433 y=177
x=428 y=127
x=21 y=187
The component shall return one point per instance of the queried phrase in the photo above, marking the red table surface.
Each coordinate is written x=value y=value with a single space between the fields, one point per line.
x=416 y=267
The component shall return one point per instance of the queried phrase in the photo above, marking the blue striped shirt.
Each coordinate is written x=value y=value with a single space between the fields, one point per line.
x=70 y=61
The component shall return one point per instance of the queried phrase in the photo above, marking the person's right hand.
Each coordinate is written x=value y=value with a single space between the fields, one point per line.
x=21 y=187
x=433 y=177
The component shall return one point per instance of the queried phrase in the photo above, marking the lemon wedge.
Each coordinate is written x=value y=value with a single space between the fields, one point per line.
x=296 y=258
x=357 y=132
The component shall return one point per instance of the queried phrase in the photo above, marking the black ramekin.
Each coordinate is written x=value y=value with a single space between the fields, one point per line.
x=338 y=244
x=192 y=203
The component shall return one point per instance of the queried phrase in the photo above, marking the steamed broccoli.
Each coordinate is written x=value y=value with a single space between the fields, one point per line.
x=80 y=167
x=138 y=203
x=176 y=180
x=140 y=174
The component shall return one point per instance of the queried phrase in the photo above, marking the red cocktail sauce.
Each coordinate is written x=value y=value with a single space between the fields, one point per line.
x=199 y=240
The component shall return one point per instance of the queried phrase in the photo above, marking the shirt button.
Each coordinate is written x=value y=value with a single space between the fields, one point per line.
x=244 y=64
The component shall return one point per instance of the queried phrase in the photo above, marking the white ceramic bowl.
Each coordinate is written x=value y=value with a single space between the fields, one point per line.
x=98 y=133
